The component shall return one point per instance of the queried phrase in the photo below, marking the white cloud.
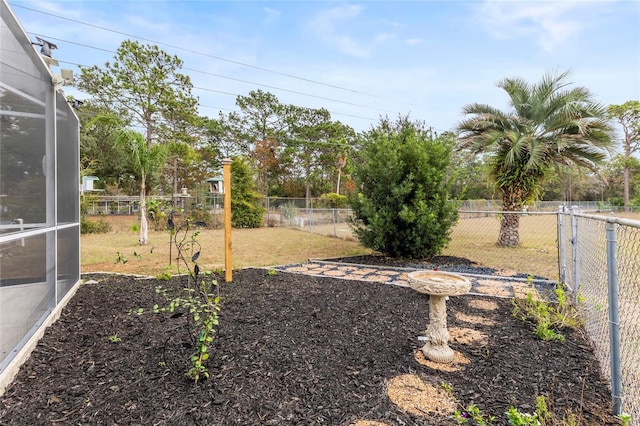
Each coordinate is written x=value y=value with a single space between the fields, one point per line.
x=329 y=24
x=550 y=23
x=335 y=27
x=384 y=37
x=414 y=41
x=271 y=15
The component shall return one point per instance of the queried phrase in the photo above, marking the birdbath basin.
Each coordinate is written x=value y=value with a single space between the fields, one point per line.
x=438 y=285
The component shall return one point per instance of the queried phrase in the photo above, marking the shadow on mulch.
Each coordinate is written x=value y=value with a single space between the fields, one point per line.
x=291 y=350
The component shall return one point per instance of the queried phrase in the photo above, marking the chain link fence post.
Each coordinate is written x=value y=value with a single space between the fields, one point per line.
x=562 y=262
x=574 y=246
x=614 y=318
x=333 y=216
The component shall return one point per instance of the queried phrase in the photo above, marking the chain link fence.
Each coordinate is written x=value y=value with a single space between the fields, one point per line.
x=330 y=222
x=475 y=235
x=601 y=257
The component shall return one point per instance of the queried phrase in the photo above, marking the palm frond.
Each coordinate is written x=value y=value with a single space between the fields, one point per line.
x=550 y=124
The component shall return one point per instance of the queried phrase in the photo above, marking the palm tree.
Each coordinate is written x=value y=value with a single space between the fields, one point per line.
x=143 y=159
x=549 y=124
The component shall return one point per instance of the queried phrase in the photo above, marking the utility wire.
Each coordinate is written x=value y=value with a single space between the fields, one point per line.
x=231 y=94
x=221 y=59
x=225 y=77
x=197 y=52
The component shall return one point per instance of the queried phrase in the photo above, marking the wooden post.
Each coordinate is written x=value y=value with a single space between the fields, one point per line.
x=228 y=273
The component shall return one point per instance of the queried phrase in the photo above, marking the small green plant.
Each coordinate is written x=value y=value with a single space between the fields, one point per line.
x=217 y=271
x=200 y=299
x=470 y=413
x=120 y=258
x=114 y=338
x=516 y=418
x=203 y=305
x=541 y=417
x=542 y=409
x=272 y=272
x=624 y=419
x=549 y=318
x=473 y=412
x=164 y=276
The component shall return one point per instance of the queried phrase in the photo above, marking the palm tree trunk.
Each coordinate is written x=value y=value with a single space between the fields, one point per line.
x=510 y=224
x=144 y=226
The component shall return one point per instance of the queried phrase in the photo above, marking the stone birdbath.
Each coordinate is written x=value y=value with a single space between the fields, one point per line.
x=438 y=285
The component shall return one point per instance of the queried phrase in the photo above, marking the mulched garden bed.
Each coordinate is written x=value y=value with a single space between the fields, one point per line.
x=291 y=350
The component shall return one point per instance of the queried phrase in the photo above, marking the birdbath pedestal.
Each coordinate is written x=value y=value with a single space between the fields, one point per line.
x=438 y=285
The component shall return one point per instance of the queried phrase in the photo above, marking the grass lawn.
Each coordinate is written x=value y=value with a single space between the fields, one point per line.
x=250 y=247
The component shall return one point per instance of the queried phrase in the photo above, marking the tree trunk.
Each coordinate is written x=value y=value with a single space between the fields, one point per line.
x=510 y=223
x=144 y=226
x=627 y=178
x=175 y=183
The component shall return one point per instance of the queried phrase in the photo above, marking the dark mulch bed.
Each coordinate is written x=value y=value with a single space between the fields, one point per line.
x=291 y=350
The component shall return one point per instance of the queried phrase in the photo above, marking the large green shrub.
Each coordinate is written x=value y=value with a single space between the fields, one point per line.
x=247 y=210
x=93 y=227
x=90 y=226
x=401 y=206
x=333 y=201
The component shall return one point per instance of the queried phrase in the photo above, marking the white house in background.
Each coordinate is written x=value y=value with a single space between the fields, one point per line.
x=39 y=196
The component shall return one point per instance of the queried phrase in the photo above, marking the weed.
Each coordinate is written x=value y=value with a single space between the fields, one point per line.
x=114 y=338
x=219 y=271
x=473 y=412
x=516 y=418
x=164 y=276
x=120 y=258
x=624 y=418
x=470 y=413
x=272 y=272
x=549 y=318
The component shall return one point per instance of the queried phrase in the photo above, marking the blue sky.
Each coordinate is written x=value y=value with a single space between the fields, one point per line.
x=360 y=59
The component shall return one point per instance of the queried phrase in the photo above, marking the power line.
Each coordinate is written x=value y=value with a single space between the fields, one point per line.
x=197 y=52
x=225 y=60
x=228 y=93
x=226 y=77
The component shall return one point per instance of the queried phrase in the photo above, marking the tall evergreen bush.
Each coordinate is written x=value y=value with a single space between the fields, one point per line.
x=247 y=210
x=402 y=206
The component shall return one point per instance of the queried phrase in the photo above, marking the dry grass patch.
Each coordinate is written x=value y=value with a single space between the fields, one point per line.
x=468 y=336
x=474 y=319
x=411 y=394
x=250 y=247
x=483 y=304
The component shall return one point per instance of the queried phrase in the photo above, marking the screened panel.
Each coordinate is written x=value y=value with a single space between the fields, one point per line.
x=68 y=259
x=23 y=96
x=39 y=243
x=67 y=162
x=25 y=295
